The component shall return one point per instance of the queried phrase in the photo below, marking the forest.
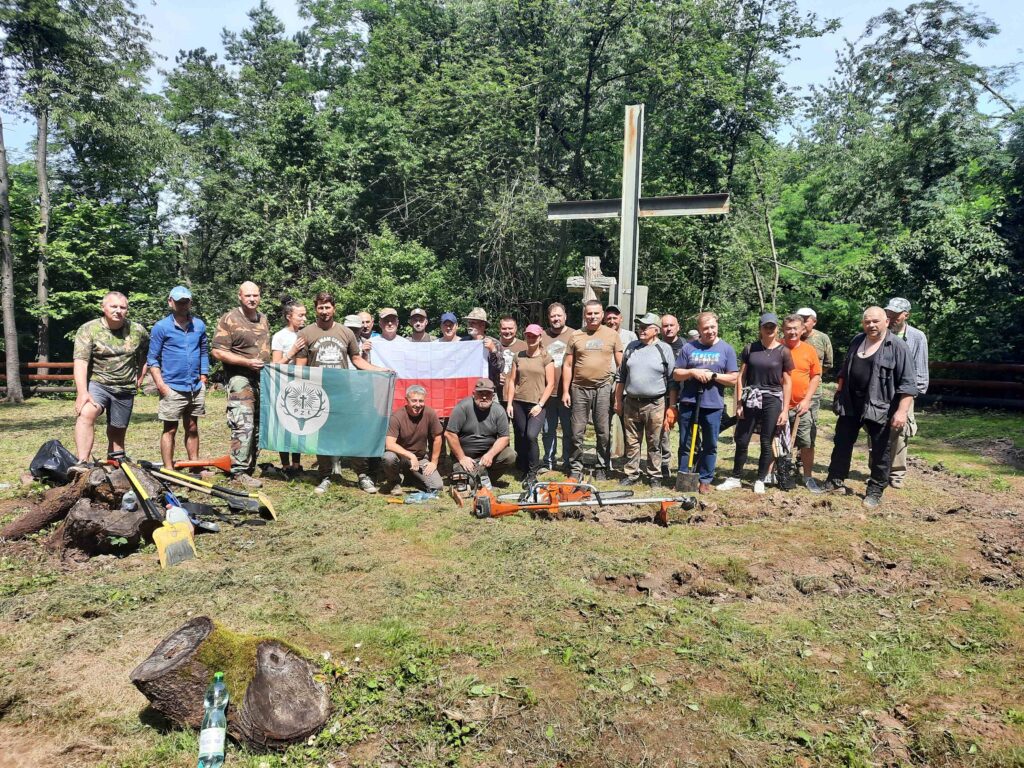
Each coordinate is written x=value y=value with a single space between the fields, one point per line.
x=402 y=153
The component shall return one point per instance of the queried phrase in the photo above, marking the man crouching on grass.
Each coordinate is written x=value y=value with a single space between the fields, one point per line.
x=413 y=444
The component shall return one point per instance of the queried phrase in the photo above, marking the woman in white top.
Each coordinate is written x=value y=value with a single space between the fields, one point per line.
x=281 y=350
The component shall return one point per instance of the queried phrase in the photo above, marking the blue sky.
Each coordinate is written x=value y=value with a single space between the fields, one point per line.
x=185 y=24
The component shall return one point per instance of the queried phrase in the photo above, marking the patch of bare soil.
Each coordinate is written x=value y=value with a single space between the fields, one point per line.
x=19 y=748
x=999 y=449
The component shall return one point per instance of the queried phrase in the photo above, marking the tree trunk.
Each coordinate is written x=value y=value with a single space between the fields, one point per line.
x=275 y=698
x=14 y=392
x=91 y=529
x=54 y=505
x=42 y=280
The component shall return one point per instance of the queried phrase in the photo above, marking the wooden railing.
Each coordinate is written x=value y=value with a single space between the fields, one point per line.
x=52 y=382
x=986 y=385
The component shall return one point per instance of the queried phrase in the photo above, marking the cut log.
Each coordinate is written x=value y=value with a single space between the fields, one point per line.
x=108 y=487
x=52 y=507
x=275 y=701
x=284 y=703
x=91 y=529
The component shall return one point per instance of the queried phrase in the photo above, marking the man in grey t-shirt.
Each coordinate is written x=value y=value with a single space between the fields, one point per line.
x=644 y=378
x=477 y=434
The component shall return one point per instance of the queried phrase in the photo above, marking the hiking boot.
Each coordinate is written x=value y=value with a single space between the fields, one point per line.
x=729 y=484
x=247 y=480
x=759 y=487
x=812 y=485
x=704 y=488
x=654 y=482
x=835 y=486
x=395 y=489
x=896 y=482
x=366 y=484
x=872 y=500
x=629 y=480
x=600 y=475
x=485 y=479
x=323 y=487
x=292 y=471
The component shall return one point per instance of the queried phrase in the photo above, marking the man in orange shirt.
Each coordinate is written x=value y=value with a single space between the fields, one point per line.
x=806 y=378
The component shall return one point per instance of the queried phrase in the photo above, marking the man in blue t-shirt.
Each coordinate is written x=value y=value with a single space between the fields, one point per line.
x=704 y=368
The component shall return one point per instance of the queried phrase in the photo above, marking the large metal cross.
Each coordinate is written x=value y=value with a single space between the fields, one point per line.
x=631 y=206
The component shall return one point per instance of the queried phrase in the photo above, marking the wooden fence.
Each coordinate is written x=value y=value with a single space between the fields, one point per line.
x=983 y=385
x=37 y=378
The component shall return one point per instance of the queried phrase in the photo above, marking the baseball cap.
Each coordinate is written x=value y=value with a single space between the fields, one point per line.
x=613 y=308
x=418 y=312
x=449 y=316
x=484 y=385
x=649 y=319
x=180 y=292
x=533 y=330
x=897 y=305
x=477 y=313
x=353 y=321
x=769 y=318
x=387 y=312
x=807 y=312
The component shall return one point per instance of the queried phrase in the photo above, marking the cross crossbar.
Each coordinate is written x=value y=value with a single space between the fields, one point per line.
x=671 y=205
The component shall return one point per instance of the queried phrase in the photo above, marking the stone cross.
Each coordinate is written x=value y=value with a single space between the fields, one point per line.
x=630 y=207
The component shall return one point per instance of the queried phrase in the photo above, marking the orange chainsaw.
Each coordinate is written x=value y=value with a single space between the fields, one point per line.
x=557 y=500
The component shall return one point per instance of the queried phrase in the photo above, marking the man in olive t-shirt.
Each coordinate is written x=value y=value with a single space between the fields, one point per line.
x=331 y=345
x=587 y=384
x=242 y=344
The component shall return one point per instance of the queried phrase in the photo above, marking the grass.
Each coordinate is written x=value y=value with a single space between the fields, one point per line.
x=778 y=631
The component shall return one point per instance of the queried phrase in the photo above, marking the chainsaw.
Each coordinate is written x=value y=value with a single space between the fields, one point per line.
x=557 y=500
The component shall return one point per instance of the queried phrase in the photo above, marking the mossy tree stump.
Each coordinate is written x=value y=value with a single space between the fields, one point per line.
x=275 y=698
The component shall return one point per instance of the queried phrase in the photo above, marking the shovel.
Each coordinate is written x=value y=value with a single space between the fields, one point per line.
x=236 y=500
x=174 y=542
x=689 y=481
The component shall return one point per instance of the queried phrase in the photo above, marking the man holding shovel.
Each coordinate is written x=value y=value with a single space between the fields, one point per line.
x=803 y=402
x=704 y=368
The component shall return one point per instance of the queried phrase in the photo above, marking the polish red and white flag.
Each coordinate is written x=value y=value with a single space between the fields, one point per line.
x=448 y=371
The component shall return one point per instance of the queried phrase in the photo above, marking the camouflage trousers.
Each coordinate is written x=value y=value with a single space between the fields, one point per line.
x=243 y=416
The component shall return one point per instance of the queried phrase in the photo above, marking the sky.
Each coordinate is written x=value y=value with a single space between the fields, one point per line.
x=185 y=24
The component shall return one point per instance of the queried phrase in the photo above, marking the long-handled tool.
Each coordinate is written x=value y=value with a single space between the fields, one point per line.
x=174 y=542
x=689 y=481
x=236 y=500
x=782 y=446
x=552 y=499
x=223 y=463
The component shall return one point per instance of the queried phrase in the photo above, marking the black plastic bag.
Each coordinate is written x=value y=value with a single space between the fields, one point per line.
x=52 y=463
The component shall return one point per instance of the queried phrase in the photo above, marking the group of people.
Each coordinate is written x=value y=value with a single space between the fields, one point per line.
x=553 y=378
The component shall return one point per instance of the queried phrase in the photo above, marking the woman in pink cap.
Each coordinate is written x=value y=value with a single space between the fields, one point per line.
x=527 y=388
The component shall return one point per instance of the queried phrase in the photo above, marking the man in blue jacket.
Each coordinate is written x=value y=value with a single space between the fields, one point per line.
x=179 y=362
x=875 y=390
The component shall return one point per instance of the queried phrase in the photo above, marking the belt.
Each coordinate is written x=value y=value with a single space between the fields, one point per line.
x=650 y=399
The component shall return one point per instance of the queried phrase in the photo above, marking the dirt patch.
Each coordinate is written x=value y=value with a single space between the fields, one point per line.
x=999 y=449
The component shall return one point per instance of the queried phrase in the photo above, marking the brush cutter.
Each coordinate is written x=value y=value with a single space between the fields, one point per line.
x=223 y=463
x=174 y=542
x=239 y=501
x=554 y=499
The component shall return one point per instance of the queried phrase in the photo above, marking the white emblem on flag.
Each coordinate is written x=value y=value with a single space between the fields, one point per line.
x=303 y=407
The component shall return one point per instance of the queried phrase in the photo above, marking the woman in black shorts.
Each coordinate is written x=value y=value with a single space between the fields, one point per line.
x=761 y=389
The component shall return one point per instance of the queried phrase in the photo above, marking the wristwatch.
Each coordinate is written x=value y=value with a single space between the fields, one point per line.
x=714 y=377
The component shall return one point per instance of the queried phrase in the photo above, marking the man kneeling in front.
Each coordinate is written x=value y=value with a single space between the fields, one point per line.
x=412 y=447
x=477 y=434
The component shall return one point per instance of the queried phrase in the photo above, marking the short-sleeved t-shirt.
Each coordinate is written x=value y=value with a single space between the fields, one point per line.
x=720 y=357
x=249 y=338
x=115 y=357
x=415 y=435
x=765 y=366
x=477 y=431
x=593 y=355
x=531 y=376
x=806 y=366
x=822 y=344
x=646 y=369
x=332 y=348
x=507 y=353
x=556 y=346
x=283 y=340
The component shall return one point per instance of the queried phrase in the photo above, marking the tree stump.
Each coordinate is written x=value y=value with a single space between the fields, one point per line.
x=91 y=529
x=275 y=699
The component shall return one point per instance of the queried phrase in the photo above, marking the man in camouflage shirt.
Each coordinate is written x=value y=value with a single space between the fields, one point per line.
x=110 y=361
x=242 y=344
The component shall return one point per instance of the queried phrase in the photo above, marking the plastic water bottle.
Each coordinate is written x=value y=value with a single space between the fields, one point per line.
x=129 y=502
x=215 y=724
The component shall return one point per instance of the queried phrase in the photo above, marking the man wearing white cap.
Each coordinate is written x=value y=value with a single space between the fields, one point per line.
x=897 y=311
x=179 y=362
x=820 y=341
x=388 y=323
